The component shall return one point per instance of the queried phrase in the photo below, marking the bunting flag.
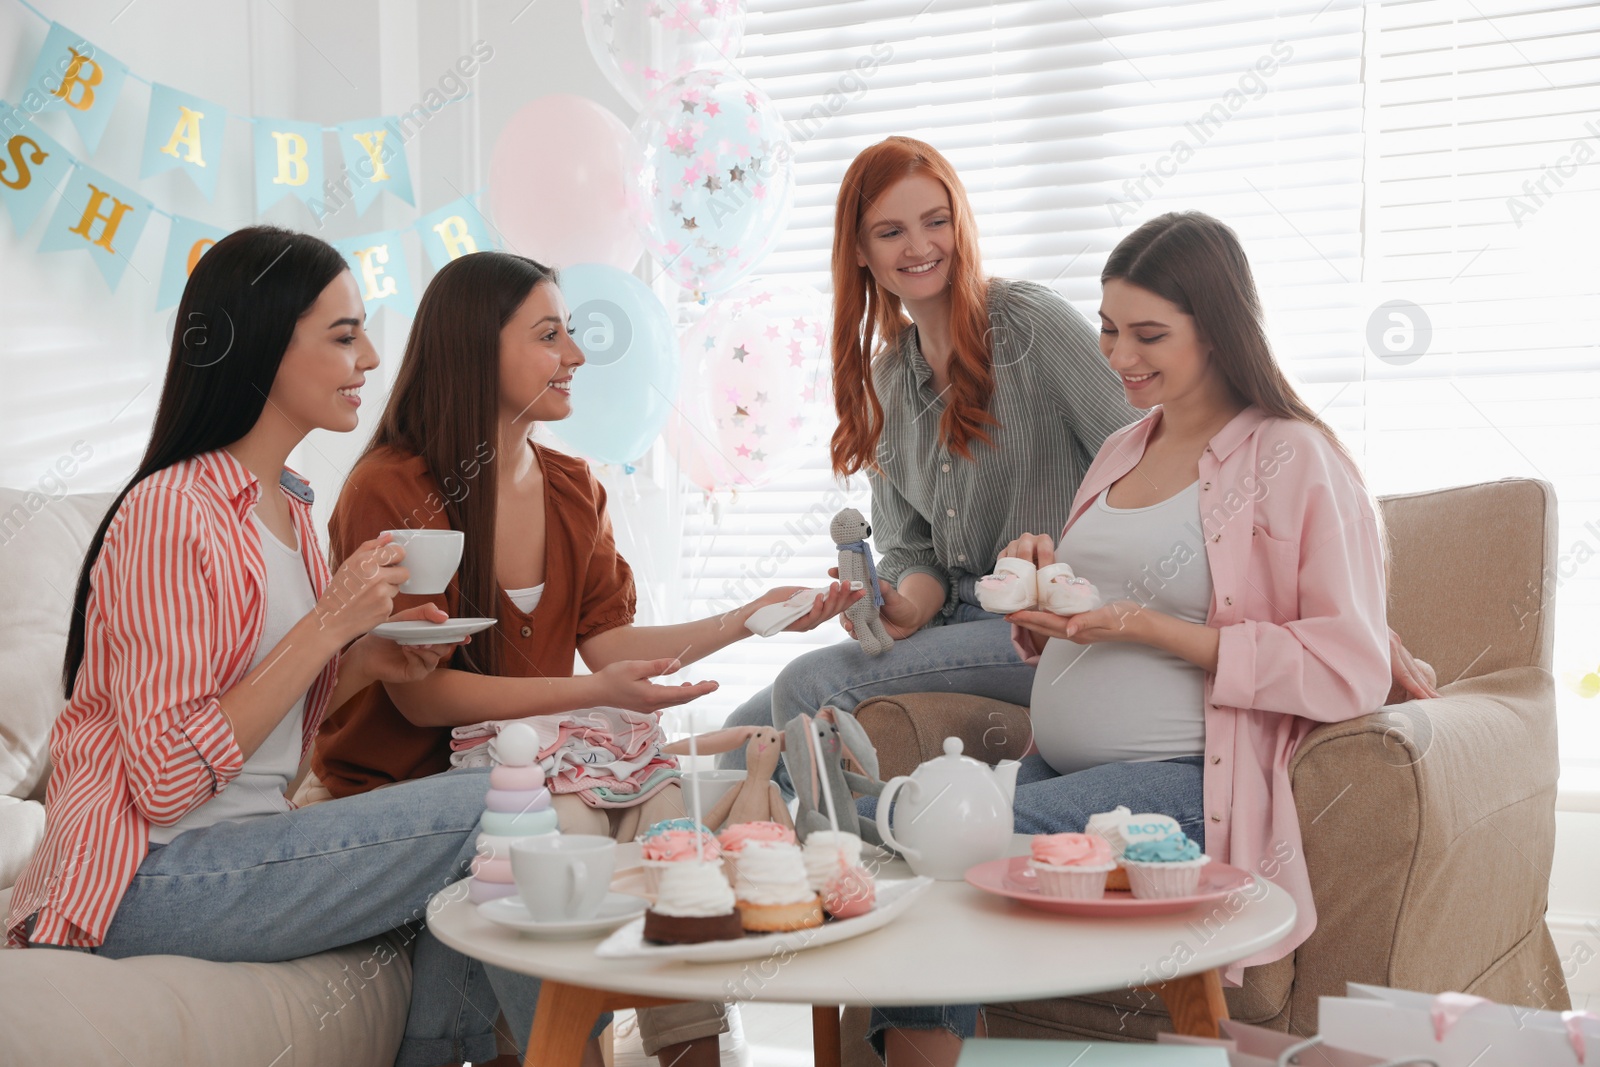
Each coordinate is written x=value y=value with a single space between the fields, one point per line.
x=184 y=131
x=453 y=231
x=288 y=160
x=374 y=160
x=33 y=165
x=188 y=241
x=98 y=216
x=378 y=261
x=71 y=73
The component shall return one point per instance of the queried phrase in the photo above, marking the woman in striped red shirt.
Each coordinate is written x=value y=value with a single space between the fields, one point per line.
x=207 y=644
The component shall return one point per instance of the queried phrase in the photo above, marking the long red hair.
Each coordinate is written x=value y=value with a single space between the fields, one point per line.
x=866 y=317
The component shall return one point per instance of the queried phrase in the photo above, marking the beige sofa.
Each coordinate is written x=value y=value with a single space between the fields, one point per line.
x=1428 y=826
x=337 y=1008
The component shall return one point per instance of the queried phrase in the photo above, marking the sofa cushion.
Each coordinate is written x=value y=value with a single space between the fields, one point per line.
x=44 y=540
x=346 y=1007
x=21 y=830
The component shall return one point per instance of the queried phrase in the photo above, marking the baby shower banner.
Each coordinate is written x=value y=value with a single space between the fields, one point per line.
x=98 y=215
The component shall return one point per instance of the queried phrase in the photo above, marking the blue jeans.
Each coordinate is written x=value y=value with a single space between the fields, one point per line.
x=281 y=887
x=970 y=653
x=1051 y=803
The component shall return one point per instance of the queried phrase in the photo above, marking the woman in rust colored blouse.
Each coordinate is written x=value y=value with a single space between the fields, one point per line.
x=490 y=354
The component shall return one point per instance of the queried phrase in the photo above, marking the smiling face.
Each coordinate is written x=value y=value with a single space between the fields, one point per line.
x=537 y=358
x=1154 y=347
x=319 y=380
x=908 y=240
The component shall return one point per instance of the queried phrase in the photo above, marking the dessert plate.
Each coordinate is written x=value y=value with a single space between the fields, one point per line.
x=412 y=632
x=894 y=897
x=614 y=909
x=1013 y=878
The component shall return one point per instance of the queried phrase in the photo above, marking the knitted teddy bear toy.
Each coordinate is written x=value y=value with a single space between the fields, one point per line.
x=850 y=532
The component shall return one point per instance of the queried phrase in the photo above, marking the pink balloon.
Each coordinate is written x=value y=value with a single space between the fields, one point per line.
x=756 y=397
x=558 y=184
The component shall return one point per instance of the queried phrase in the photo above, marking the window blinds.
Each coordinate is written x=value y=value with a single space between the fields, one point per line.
x=1070 y=123
x=1484 y=213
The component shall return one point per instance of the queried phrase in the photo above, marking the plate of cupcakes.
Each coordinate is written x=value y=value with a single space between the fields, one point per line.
x=1122 y=865
x=753 y=889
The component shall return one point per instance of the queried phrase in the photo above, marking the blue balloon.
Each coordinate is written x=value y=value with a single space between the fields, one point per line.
x=623 y=394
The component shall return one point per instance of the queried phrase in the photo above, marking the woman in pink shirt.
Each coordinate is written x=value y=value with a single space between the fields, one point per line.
x=1241 y=560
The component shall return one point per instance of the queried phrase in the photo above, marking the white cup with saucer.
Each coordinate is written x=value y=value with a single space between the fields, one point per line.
x=432 y=556
x=563 y=877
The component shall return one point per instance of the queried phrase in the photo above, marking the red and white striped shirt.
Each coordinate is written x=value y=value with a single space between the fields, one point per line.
x=176 y=607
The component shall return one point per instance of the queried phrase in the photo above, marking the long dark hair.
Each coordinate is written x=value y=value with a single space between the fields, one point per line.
x=1195 y=261
x=235 y=321
x=445 y=407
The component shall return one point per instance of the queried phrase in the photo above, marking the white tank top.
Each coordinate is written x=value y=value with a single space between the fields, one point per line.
x=1125 y=703
x=526 y=599
x=259 y=788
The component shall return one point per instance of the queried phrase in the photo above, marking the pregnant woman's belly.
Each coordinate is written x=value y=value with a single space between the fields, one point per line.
x=1120 y=703
x=1114 y=703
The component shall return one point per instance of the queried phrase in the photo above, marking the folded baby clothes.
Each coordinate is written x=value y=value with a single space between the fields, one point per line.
x=764 y=622
x=607 y=756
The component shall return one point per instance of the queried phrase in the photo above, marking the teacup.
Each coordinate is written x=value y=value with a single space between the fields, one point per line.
x=432 y=556
x=562 y=877
x=714 y=784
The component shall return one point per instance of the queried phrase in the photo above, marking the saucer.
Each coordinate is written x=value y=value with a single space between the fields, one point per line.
x=430 y=633
x=615 y=909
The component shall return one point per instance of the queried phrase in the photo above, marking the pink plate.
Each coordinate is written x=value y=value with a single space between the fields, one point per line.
x=1013 y=878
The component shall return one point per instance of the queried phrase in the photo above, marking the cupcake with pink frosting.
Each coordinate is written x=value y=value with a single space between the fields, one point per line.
x=734 y=838
x=1071 y=866
x=671 y=842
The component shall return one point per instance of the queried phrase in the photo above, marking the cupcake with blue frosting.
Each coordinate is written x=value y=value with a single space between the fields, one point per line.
x=1163 y=868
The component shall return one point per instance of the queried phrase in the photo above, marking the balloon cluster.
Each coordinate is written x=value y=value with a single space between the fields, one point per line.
x=703 y=181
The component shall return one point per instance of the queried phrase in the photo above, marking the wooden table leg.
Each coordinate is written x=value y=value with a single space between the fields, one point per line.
x=825 y=1035
x=565 y=1015
x=1194 y=1002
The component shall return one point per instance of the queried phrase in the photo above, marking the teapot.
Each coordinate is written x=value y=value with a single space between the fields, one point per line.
x=956 y=813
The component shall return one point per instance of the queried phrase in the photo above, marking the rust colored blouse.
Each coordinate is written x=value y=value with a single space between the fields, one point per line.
x=588 y=590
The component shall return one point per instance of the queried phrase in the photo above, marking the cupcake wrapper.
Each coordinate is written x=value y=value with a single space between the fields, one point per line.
x=1071 y=883
x=1162 y=881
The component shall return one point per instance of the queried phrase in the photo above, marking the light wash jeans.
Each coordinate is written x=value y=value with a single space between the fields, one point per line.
x=1051 y=803
x=970 y=653
x=281 y=887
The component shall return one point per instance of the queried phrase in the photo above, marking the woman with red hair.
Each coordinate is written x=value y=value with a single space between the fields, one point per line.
x=973 y=404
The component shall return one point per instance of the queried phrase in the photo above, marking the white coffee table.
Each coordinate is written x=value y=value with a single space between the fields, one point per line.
x=956 y=945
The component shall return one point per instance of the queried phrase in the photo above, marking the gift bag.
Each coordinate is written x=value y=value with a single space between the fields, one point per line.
x=1252 y=1046
x=1456 y=1030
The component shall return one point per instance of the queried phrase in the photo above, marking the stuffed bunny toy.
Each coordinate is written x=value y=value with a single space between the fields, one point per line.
x=756 y=799
x=841 y=739
x=850 y=532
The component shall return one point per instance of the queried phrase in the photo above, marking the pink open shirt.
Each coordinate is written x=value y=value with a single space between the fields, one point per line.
x=1298 y=596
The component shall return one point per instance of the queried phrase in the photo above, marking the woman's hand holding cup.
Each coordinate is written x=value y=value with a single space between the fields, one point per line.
x=361 y=595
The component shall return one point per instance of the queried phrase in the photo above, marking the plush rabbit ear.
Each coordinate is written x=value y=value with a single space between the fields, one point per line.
x=855 y=742
x=725 y=740
x=797 y=758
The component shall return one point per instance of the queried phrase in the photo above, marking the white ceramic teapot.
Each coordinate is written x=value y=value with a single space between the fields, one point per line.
x=956 y=813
